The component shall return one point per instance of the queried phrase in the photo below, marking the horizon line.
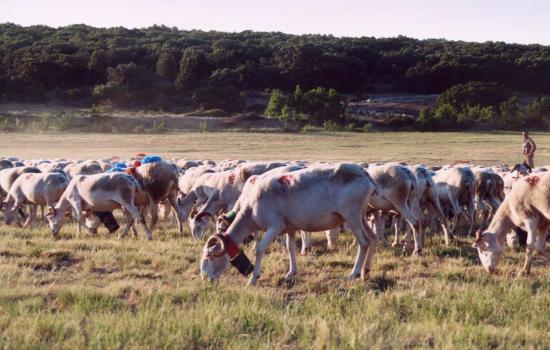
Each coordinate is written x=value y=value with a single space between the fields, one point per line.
x=276 y=31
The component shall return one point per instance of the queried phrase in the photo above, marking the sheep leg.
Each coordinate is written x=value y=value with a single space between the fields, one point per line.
x=540 y=249
x=306 y=241
x=395 y=221
x=484 y=214
x=416 y=227
x=177 y=211
x=366 y=242
x=154 y=210
x=29 y=222
x=128 y=205
x=531 y=226
x=270 y=236
x=129 y=223
x=34 y=209
x=379 y=226
x=291 y=246
x=440 y=217
x=471 y=218
x=332 y=238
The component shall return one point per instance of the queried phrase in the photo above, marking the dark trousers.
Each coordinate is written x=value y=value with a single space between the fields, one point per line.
x=108 y=219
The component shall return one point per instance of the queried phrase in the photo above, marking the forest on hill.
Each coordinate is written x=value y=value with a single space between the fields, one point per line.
x=162 y=68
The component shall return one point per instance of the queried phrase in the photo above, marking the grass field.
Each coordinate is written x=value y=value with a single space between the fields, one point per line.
x=428 y=148
x=102 y=292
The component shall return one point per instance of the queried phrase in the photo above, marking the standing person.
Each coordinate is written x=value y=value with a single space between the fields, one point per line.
x=529 y=148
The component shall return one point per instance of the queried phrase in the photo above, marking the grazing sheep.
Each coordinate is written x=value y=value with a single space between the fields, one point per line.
x=159 y=181
x=527 y=207
x=8 y=177
x=227 y=191
x=311 y=199
x=456 y=188
x=98 y=192
x=489 y=193
x=396 y=190
x=34 y=190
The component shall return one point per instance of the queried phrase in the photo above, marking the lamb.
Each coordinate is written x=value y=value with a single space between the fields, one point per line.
x=311 y=199
x=527 y=207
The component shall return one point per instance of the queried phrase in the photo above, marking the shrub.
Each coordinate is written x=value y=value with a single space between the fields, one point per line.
x=474 y=93
x=203 y=126
x=277 y=101
x=330 y=125
x=159 y=126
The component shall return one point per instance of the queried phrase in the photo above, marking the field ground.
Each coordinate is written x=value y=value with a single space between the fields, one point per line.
x=428 y=148
x=102 y=292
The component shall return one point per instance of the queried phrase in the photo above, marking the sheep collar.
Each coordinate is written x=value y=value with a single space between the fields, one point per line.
x=236 y=256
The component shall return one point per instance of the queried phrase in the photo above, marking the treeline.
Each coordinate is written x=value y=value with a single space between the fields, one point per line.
x=166 y=68
x=484 y=105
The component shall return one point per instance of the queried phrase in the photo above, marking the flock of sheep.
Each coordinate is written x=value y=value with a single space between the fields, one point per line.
x=238 y=201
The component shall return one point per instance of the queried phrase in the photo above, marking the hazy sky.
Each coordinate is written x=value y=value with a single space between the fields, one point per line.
x=525 y=21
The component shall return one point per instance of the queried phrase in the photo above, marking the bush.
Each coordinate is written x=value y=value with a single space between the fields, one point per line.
x=369 y=127
x=474 y=93
x=277 y=100
x=203 y=126
x=330 y=125
x=159 y=126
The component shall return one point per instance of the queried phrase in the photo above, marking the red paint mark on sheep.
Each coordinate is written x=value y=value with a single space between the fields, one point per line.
x=252 y=180
x=232 y=178
x=532 y=180
x=286 y=180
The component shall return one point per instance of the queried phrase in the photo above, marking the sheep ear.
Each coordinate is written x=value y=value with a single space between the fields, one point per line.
x=480 y=242
x=215 y=247
x=51 y=212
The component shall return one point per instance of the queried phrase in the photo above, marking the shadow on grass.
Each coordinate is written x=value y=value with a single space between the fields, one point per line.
x=462 y=251
x=380 y=283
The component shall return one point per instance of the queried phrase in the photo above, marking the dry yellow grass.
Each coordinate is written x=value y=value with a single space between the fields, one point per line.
x=102 y=292
x=429 y=148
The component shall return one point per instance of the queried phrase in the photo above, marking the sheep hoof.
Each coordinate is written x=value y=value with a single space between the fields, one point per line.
x=523 y=273
x=253 y=281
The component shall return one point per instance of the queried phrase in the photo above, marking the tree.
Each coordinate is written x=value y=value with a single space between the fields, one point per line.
x=474 y=93
x=166 y=66
x=193 y=67
x=277 y=100
x=323 y=104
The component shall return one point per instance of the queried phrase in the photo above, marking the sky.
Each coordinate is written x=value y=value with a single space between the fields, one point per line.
x=525 y=21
